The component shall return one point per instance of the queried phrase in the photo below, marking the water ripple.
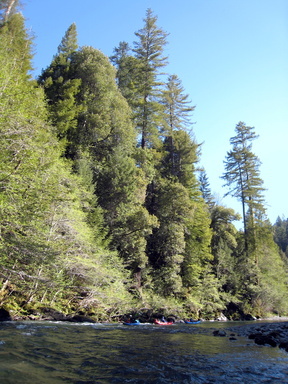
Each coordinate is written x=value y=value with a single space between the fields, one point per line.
x=57 y=353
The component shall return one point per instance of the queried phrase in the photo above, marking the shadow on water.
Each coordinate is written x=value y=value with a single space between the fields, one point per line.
x=56 y=353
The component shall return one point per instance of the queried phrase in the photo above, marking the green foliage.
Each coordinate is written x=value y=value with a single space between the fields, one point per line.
x=18 y=44
x=61 y=88
x=177 y=106
x=104 y=121
x=119 y=188
x=197 y=252
x=268 y=285
x=69 y=43
x=127 y=74
x=205 y=189
x=47 y=246
x=166 y=246
x=8 y=9
x=281 y=234
x=179 y=158
x=258 y=260
x=242 y=175
x=91 y=223
x=223 y=244
x=104 y=126
x=209 y=296
x=148 y=51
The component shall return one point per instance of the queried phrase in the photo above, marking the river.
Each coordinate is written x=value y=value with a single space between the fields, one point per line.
x=58 y=353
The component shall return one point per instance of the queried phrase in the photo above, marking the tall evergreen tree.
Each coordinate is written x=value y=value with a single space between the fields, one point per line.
x=177 y=111
x=120 y=53
x=166 y=245
x=205 y=189
x=257 y=258
x=223 y=245
x=174 y=197
x=69 y=43
x=148 y=51
x=128 y=73
x=242 y=176
x=177 y=106
x=104 y=122
x=280 y=229
x=61 y=88
x=104 y=141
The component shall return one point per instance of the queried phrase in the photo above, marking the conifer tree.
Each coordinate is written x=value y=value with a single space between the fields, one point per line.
x=104 y=122
x=179 y=159
x=198 y=257
x=183 y=216
x=128 y=72
x=120 y=53
x=8 y=8
x=61 y=88
x=20 y=45
x=177 y=111
x=104 y=141
x=166 y=245
x=31 y=172
x=280 y=229
x=257 y=259
x=205 y=189
x=148 y=51
x=69 y=43
x=242 y=176
x=223 y=245
x=177 y=106
x=48 y=252
x=262 y=277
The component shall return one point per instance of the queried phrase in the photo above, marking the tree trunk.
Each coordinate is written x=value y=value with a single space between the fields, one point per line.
x=10 y=5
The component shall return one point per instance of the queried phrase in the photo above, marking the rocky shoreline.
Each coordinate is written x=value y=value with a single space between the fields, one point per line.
x=274 y=333
x=48 y=314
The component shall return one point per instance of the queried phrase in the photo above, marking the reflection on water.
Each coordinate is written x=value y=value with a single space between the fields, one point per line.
x=54 y=353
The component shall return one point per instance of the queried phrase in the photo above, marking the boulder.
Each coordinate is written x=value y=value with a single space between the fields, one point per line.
x=265 y=339
x=284 y=345
x=52 y=314
x=273 y=334
x=219 y=332
x=79 y=319
x=4 y=315
x=222 y=317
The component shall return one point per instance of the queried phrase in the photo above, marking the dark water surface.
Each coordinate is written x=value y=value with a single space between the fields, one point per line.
x=57 y=353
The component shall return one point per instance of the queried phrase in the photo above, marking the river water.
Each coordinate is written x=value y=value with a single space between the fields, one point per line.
x=57 y=353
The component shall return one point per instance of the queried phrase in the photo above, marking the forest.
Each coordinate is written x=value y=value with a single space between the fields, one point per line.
x=104 y=209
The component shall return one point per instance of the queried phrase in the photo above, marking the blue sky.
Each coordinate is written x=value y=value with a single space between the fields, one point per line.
x=232 y=58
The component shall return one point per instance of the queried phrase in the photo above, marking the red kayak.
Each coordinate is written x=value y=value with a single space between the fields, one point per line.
x=163 y=322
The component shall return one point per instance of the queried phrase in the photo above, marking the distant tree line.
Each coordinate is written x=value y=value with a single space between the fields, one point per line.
x=104 y=208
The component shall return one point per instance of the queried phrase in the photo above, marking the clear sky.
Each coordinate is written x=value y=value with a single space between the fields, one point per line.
x=232 y=58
